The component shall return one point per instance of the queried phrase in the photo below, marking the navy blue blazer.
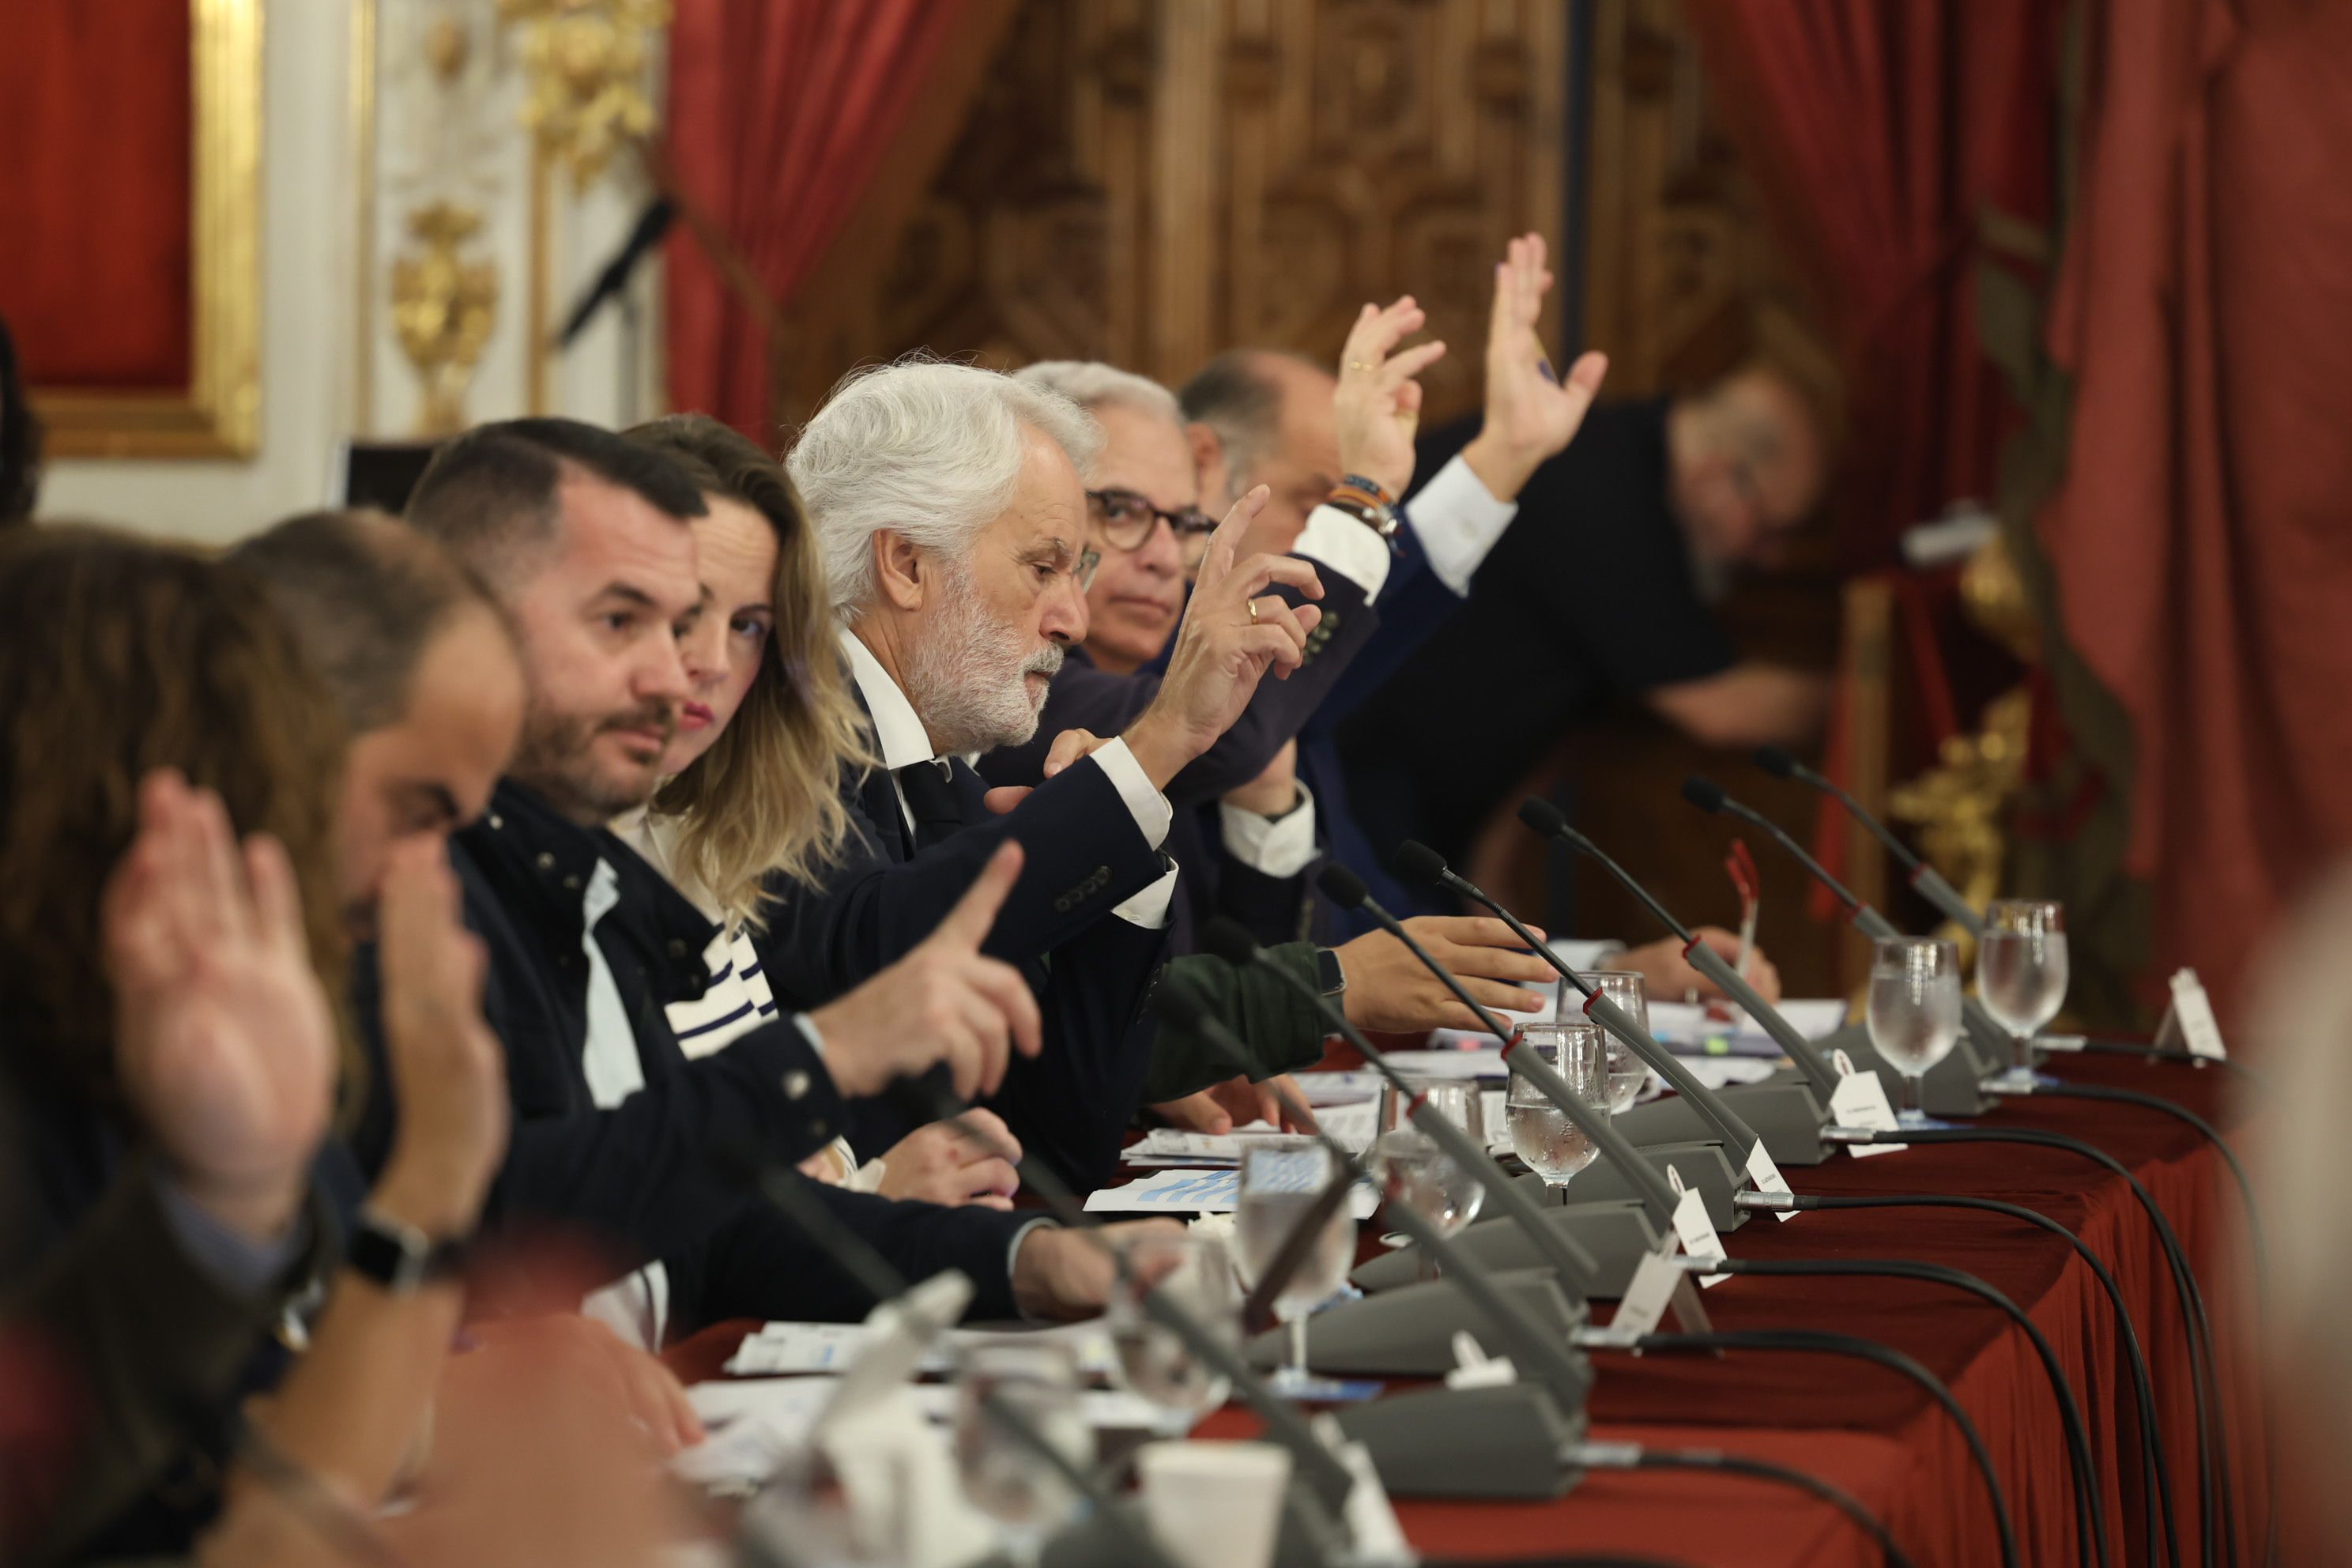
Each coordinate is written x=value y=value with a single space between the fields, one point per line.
x=660 y=1175
x=1090 y=971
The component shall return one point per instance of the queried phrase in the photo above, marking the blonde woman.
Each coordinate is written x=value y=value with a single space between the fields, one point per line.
x=754 y=786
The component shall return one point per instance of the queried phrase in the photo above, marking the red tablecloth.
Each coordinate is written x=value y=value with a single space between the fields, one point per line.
x=1879 y=1436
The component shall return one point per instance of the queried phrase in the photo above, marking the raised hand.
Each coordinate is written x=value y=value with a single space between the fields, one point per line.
x=225 y=1044
x=1377 y=406
x=447 y=1068
x=1531 y=414
x=1229 y=638
x=941 y=1002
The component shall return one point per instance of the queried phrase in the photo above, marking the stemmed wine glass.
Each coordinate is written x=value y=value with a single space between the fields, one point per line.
x=1280 y=1180
x=2021 y=975
x=1627 y=1073
x=1553 y=1146
x=1914 y=1011
x=1414 y=1169
x=1196 y=1273
x=1002 y=1475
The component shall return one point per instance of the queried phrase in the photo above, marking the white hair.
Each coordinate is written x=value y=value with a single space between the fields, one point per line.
x=1092 y=385
x=928 y=450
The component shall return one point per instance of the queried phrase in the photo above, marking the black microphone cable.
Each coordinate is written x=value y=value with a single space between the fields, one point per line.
x=2089 y=1513
x=2155 y=1467
x=1598 y=1457
x=2213 y=1475
x=1814 y=1342
x=2256 y=1242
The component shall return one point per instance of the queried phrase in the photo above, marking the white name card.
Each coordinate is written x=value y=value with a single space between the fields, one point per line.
x=1696 y=1230
x=1860 y=1100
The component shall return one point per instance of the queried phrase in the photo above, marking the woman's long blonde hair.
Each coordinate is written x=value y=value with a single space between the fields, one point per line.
x=766 y=797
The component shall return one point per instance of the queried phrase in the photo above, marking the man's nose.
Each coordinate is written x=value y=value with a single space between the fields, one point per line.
x=1162 y=554
x=663 y=672
x=1065 y=617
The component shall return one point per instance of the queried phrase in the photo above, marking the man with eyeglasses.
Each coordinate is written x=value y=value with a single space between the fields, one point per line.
x=1640 y=526
x=946 y=504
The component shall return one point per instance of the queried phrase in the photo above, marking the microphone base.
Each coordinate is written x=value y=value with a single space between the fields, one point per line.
x=1409 y=1333
x=1505 y=1442
x=1951 y=1088
x=1704 y=1166
x=1784 y=1111
x=1613 y=1234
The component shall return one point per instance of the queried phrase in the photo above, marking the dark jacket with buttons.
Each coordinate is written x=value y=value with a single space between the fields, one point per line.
x=664 y=1174
x=1089 y=969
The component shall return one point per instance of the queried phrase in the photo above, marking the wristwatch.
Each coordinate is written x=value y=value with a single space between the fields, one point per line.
x=399 y=1257
x=1369 y=502
x=1328 y=976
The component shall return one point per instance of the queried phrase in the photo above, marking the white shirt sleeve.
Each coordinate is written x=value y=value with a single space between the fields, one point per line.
x=1457 y=521
x=1149 y=806
x=1333 y=539
x=1148 y=906
x=1013 y=1252
x=1277 y=846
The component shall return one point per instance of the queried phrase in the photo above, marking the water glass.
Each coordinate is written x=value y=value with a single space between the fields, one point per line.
x=1002 y=1475
x=1627 y=1073
x=1456 y=1099
x=2022 y=970
x=1914 y=1010
x=1553 y=1146
x=1281 y=1178
x=1196 y=1273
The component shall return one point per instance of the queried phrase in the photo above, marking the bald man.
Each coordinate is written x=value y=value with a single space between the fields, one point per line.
x=1651 y=512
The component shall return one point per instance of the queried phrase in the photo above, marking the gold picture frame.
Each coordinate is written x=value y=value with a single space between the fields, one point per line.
x=219 y=413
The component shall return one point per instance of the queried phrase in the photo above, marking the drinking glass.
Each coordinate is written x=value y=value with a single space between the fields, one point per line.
x=1197 y=1274
x=1554 y=1147
x=2021 y=971
x=1003 y=1476
x=1280 y=1180
x=1456 y=1099
x=1627 y=1073
x=1914 y=1010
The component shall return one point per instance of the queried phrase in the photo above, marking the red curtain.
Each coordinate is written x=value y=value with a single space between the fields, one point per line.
x=2200 y=540
x=780 y=112
x=1879 y=130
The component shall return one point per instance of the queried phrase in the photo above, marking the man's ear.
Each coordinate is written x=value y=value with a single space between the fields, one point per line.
x=1209 y=462
x=900 y=573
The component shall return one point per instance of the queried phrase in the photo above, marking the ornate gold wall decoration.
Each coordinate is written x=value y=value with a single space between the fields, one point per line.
x=219 y=416
x=443 y=306
x=585 y=64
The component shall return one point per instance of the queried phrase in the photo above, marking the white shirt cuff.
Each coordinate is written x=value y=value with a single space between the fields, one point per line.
x=1148 y=907
x=807 y=1026
x=1148 y=805
x=1457 y=522
x=1273 y=845
x=1331 y=538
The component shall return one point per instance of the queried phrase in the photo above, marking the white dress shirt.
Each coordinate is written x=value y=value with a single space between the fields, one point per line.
x=900 y=737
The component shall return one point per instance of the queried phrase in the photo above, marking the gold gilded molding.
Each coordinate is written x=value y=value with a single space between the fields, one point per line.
x=443 y=306
x=586 y=63
x=363 y=110
x=219 y=413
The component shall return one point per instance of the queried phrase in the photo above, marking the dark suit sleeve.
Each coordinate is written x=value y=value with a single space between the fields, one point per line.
x=1086 y=697
x=1084 y=856
x=1070 y=1106
x=1281 y=1028
x=149 y=1337
x=1413 y=603
x=759 y=1264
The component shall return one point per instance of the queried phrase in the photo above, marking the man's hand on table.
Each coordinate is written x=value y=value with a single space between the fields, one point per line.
x=1389 y=990
x=1669 y=977
x=1065 y=1274
x=1236 y=1102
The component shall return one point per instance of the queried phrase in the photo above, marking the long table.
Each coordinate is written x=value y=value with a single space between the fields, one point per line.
x=1877 y=1436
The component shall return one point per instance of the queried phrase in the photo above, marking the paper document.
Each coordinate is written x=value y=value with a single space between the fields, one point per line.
x=1195 y=1192
x=1351 y=1124
x=799 y=1348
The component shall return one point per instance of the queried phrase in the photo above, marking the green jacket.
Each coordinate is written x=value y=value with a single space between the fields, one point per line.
x=1282 y=1029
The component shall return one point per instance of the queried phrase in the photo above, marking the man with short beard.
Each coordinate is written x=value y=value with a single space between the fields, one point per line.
x=581 y=538
x=947 y=504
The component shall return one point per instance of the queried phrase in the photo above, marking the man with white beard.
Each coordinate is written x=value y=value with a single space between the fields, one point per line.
x=947 y=505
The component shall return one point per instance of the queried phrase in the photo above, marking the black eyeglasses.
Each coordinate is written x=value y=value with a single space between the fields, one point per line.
x=1127 y=519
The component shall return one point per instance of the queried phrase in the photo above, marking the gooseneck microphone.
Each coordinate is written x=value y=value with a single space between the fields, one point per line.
x=1421 y=865
x=1547 y=1355
x=1346 y=889
x=1925 y=878
x=1709 y=796
x=1545 y=819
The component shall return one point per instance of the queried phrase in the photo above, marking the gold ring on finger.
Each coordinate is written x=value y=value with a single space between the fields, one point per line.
x=1362 y=365
x=1252 y=610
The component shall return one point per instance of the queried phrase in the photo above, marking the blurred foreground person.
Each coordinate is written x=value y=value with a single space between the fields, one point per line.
x=171 y=969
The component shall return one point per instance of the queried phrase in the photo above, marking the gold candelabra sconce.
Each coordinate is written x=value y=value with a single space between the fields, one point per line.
x=585 y=59
x=443 y=307
x=1961 y=806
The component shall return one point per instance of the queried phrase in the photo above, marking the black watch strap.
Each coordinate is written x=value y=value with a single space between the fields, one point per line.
x=1330 y=977
x=399 y=1257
